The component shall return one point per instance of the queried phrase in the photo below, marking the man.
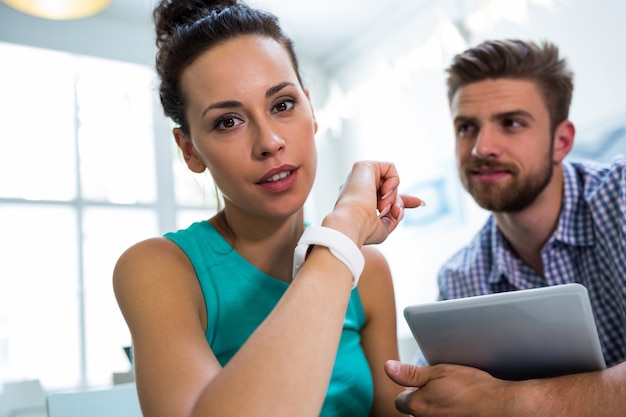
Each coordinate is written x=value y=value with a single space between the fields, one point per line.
x=552 y=222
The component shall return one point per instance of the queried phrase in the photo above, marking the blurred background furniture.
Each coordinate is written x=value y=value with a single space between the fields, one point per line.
x=24 y=398
x=117 y=401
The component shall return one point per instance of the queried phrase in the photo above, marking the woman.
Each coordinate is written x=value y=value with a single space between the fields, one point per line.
x=220 y=325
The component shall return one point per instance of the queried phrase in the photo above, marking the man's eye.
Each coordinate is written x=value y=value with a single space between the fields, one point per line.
x=466 y=129
x=512 y=123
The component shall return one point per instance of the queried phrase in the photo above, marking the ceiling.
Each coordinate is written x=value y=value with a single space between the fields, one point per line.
x=322 y=30
x=327 y=33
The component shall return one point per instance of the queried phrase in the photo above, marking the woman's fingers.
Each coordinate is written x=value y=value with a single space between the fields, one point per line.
x=372 y=189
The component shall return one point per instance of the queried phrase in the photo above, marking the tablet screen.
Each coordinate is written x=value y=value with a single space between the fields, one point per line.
x=524 y=334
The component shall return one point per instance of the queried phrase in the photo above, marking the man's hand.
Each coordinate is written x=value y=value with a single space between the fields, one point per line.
x=447 y=390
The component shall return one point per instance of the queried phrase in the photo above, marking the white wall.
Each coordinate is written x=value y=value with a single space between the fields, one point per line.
x=407 y=120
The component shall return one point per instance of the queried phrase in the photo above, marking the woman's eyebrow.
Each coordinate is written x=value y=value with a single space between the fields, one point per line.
x=229 y=104
x=273 y=90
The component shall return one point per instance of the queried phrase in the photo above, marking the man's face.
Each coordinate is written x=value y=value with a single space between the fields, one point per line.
x=503 y=142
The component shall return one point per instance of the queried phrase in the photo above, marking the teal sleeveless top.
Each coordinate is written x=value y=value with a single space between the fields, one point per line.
x=239 y=297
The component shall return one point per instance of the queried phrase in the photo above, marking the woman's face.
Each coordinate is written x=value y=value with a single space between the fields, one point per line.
x=251 y=125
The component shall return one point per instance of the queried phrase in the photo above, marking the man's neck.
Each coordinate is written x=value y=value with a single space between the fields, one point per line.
x=527 y=231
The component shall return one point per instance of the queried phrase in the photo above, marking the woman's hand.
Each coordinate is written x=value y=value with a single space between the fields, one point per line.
x=369 y=207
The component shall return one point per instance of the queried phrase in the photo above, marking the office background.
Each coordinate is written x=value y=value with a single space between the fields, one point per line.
x=88 y=166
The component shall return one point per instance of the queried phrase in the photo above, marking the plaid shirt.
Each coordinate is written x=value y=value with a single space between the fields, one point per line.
x=588 y=247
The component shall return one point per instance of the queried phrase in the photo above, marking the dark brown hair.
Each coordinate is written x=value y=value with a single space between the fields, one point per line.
x=517 y=59
x=187 y=28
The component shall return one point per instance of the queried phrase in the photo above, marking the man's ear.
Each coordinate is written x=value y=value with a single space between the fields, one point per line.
x=563 y=140
x=189 y=153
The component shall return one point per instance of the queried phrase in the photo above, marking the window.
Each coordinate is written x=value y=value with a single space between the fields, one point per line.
x=87 y=168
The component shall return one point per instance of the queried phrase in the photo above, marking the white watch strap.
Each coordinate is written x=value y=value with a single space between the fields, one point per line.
x=340 y=246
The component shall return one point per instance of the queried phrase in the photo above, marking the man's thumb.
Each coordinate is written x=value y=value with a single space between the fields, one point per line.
x=405 y=374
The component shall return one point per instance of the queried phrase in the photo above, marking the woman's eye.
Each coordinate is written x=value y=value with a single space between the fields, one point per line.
x=285 y=105
x=225 y=123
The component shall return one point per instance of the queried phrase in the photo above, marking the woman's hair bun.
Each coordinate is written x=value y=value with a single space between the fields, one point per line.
x=170 y=14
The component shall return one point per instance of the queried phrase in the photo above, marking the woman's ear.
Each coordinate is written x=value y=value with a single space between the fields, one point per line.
x=189 y=153
x=315 y=126
x=563 y=140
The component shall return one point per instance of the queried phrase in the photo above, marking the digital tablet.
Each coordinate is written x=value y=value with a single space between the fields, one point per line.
x=515 y=335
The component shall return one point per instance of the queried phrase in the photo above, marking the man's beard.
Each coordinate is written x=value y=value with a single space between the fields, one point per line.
x=512 y=197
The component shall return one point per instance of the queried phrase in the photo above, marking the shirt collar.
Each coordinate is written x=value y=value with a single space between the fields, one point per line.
x=507 y=265
x=575 y=228
x=575 y=223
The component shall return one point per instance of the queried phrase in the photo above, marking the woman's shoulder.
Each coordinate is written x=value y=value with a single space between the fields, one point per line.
x=375 y=260
x=156 y=250
x=376 y=276
x=150 y=262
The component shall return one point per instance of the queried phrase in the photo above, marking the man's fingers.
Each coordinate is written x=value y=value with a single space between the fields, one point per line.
x=404 y=399
x=406 y=374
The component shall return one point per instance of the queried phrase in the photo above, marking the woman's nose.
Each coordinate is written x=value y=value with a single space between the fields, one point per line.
x=267 y=141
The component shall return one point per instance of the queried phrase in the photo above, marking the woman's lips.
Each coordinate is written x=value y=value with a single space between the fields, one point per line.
x=279 y=180
x=279 y=176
